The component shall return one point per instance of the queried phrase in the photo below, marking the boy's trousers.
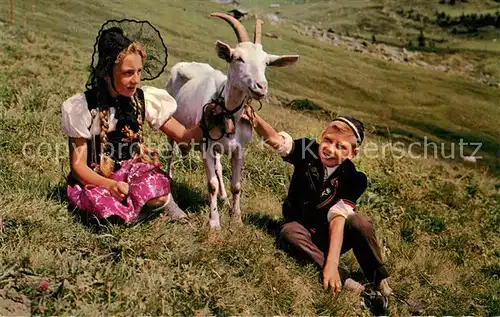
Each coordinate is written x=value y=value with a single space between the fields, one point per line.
x=312 y=244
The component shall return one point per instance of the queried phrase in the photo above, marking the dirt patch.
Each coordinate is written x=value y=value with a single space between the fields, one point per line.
x=13 y=303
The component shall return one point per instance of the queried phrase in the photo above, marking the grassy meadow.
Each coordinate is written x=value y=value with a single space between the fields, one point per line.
x=438 y=220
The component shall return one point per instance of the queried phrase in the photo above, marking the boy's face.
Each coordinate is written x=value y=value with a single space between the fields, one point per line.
x=336 y=146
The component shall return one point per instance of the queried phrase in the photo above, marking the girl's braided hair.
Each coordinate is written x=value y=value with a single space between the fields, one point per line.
x=111 y=52
x=111 y=46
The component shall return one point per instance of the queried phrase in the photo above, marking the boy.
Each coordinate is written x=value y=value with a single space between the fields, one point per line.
x=321 y=223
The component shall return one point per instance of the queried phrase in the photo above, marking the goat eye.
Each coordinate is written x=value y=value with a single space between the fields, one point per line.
x=239 y=59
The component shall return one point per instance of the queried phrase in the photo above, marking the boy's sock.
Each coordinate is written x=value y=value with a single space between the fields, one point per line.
x=353 y=285
x=384 y=288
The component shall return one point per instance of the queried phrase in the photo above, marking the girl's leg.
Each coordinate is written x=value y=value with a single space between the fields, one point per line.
x=167 y=204
x=158 y=202
x=99 y=202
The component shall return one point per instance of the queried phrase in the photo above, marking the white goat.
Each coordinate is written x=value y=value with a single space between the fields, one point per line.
x=193 y=85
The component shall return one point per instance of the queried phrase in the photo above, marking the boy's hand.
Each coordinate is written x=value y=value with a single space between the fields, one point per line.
x=250 y=115
x=331 y=278
x=244 y=116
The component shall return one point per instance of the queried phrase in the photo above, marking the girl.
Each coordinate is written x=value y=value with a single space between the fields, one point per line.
x=112 y=171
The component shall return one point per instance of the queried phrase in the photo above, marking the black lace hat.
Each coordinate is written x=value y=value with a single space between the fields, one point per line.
x=116 y=35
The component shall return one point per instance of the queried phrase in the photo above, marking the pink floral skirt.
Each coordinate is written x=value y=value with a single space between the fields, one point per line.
x=145 y=182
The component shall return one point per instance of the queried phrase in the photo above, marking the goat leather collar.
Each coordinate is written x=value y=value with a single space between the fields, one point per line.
x=216 y=120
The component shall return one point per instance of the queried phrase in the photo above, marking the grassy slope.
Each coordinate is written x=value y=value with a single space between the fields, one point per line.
x=383 y=18
x=386 y=89
x=438 y=221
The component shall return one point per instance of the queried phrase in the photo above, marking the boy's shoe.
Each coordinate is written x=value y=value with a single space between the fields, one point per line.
x=375 y=301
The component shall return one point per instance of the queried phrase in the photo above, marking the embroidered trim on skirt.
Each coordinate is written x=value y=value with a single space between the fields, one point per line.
x=145 y=182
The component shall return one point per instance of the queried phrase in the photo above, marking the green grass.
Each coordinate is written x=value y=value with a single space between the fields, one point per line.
x=389 y=20
x=438 y=220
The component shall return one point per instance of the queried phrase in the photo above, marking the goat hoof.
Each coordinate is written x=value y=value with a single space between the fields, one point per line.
x=226 y=202
x=236 y=222
x=214 y=225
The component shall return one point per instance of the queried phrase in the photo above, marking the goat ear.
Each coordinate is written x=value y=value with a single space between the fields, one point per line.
x=281 y=61
x=224 y=51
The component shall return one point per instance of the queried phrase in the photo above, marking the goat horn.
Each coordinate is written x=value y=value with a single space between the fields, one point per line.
x=258 y=31
x=238 y=28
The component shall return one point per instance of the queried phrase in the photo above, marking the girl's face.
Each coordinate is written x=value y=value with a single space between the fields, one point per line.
x=126 y=76
x=335 y=147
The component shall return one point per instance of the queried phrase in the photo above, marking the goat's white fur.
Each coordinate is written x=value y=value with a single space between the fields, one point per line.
x=195 y=84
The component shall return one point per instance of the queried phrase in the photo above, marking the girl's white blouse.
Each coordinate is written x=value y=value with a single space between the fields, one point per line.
x=77 y=120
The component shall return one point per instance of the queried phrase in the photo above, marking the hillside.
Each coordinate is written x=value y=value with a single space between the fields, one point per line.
x=437 y=218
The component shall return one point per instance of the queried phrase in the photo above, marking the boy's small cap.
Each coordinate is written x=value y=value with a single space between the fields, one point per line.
x=356 y=126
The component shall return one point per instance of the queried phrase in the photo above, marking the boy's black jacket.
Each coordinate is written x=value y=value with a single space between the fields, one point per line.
x=309 y=197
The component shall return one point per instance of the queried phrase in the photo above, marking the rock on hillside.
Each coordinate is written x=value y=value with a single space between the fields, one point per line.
x=394 y=54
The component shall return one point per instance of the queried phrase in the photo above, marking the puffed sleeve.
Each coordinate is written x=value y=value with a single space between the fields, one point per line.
x=160 y=106
x=75 y=117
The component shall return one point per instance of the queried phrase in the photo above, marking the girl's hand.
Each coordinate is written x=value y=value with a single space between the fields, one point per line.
x=118 y=190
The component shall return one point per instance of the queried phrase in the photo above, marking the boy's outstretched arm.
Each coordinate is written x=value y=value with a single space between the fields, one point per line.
x=267 y=132
x=281 y=142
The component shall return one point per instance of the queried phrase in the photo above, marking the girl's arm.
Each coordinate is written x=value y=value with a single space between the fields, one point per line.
x=179 y=133
x=86 y=176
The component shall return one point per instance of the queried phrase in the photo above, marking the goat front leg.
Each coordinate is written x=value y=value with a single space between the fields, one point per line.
x=218 y=171
x=213 y=187
x=170 y=157
x=237 y=160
